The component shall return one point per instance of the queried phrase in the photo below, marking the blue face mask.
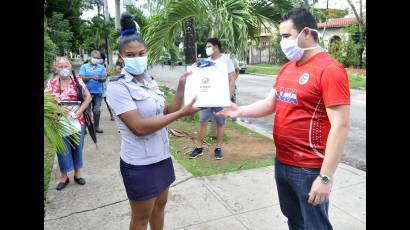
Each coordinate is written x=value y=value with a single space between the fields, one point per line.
x=135 y=65
x=64 y=72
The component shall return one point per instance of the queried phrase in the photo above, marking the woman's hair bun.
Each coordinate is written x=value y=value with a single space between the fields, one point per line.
x=127 y=24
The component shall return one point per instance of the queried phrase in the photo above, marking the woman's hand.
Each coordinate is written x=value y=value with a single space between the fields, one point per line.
x=181 y=88
x=179 y=96
x=182 y=79
x=189 y=109
x=78 y=114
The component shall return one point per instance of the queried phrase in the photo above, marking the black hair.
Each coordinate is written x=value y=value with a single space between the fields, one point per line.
x=129 y=31
x=301 y=18
x=215 y=42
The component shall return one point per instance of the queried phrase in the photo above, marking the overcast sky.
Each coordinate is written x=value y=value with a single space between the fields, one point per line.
x=111 y=9
x=333 y=4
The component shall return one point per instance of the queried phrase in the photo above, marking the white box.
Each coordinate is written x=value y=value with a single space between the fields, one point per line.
x=210 y=85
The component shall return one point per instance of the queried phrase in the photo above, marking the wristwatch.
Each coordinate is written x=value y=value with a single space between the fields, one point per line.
x=325 y=179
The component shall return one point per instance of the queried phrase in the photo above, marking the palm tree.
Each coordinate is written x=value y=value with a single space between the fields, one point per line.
x=235 y=22
x=230 y=20
x=56 y=125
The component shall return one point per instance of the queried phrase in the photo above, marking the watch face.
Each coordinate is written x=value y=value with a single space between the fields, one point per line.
x=325 y=179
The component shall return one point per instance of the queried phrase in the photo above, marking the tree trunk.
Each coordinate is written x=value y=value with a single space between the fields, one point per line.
x=98 y=10
x=190 y=41
x=360 y=23
x=117 y=14
x=109 y=52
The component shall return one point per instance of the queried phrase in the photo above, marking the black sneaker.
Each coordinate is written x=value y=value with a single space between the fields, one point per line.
x=196 y=153
x=218 y=153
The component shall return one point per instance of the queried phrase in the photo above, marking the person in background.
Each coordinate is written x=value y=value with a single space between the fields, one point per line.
x=94 y=75
x=213 y=50
x=236 y=66
x=104 y=94
x=63 y=87
x=119 y=65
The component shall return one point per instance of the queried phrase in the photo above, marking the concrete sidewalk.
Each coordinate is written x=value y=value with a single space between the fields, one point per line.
x=239 y=200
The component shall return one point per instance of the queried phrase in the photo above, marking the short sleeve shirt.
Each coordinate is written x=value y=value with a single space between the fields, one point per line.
x=225 y=59
x=87 y=70
x=301 y=124
x=125 y=94
x=69 y=93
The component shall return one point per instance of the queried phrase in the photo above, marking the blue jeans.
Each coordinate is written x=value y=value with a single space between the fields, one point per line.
x=294 y=184
x=96 y=103
x=206 y=114
x=73 y=157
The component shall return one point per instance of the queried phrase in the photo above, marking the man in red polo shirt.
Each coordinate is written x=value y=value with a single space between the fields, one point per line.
x=311 y=102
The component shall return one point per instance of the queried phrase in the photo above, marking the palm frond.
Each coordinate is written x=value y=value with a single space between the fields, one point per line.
x=56 y=125
x=164 y=28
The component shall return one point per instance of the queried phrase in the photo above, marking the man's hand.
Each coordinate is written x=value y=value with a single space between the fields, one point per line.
x=231 y=112
x=320 y=192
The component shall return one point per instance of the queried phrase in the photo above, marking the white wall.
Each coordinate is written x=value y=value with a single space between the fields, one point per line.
x=329 y=33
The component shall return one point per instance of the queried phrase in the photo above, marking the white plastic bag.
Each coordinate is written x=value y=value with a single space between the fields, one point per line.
x=210 y=85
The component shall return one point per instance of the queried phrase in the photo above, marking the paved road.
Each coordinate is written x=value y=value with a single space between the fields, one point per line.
x=241 y=200
x=252 y=88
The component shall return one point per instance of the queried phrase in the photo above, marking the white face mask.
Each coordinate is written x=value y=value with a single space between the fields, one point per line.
x=94 y=60
x=291 y=48
x=209 y=51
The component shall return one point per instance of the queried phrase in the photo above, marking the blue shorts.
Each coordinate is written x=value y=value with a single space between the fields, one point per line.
x=206 y=114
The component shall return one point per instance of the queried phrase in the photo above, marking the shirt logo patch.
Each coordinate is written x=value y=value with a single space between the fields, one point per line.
x=287 y=95
x=304 y=79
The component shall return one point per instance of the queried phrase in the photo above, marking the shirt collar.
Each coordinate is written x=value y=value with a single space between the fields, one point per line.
x=128 y=77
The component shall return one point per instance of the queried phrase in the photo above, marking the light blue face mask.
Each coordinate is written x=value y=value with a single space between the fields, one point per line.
x=64 y=72
x=135 y=65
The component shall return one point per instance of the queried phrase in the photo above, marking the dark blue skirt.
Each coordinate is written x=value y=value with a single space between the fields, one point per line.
x=143 y=182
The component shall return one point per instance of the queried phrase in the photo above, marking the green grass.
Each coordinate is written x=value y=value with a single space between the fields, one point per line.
x=206 y=168
x=264 y=69
x=357 y=81
x=48 y=168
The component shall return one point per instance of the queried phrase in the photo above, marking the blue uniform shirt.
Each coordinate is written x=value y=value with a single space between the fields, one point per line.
x=88 y=70
x=126 y=94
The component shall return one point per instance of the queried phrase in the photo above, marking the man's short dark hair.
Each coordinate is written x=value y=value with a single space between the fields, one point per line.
x=301 y=18
x=215 y=42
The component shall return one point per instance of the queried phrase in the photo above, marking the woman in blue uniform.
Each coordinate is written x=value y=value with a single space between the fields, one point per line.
x=145 y=163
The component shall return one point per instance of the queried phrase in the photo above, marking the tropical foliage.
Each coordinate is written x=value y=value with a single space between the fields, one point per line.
x=56 y=125
x=50 y=50
x=232 y=21
x=348 y=51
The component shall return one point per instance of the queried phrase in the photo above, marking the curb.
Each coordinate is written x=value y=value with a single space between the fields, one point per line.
x=243 y=124
x=341 y=164
x=261 y=75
